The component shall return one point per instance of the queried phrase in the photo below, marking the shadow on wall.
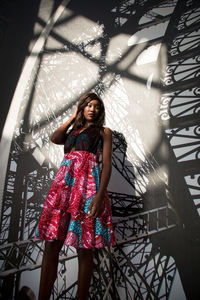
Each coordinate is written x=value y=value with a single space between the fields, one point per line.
x=15 y=18
x=121 y=187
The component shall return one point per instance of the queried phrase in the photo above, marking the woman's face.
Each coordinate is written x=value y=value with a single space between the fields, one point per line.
x=91 y=111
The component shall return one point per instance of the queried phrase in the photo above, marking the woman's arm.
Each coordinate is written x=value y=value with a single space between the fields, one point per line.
x=95 y=206
x=59 y=135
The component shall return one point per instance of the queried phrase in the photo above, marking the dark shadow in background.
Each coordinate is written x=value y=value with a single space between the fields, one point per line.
x=17 y=20
x=123 y=204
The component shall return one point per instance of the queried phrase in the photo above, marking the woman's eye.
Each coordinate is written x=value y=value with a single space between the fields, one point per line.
x=95 y=107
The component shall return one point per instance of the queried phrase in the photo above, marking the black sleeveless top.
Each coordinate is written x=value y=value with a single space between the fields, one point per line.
x=89 y=140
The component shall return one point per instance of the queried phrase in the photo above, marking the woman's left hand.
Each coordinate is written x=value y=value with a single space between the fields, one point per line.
x=95 y=207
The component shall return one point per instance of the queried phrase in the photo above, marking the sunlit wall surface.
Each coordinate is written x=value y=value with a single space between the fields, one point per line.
x=142 y=58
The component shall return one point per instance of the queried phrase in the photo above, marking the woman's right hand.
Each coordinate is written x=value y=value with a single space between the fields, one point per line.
x=59 y=135
x=74 y=115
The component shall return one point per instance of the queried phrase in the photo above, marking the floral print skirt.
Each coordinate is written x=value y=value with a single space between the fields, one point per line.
x=67 y=205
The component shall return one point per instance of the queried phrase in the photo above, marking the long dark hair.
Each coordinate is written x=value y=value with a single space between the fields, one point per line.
x=83 y=102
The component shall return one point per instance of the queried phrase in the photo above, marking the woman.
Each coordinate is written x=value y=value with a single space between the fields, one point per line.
x=77 y=209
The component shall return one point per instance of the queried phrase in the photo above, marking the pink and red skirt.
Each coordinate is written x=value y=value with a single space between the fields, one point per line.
x=67 y=205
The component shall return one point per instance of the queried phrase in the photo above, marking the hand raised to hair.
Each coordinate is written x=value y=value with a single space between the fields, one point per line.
x=74 y=115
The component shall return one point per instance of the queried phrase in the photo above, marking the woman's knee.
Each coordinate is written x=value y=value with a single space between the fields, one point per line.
x=85 y=253
x=53 y=247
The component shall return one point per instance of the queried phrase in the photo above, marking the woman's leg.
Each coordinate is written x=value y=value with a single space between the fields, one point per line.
x=85 y=264
x=49 y=268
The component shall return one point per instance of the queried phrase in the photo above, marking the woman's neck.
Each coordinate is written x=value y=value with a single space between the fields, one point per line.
x=88 y=124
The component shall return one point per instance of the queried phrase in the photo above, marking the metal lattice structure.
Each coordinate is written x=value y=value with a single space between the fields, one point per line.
x=141 y=266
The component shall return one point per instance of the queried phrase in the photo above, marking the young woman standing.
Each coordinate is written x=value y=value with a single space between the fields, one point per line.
x=77 y=209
